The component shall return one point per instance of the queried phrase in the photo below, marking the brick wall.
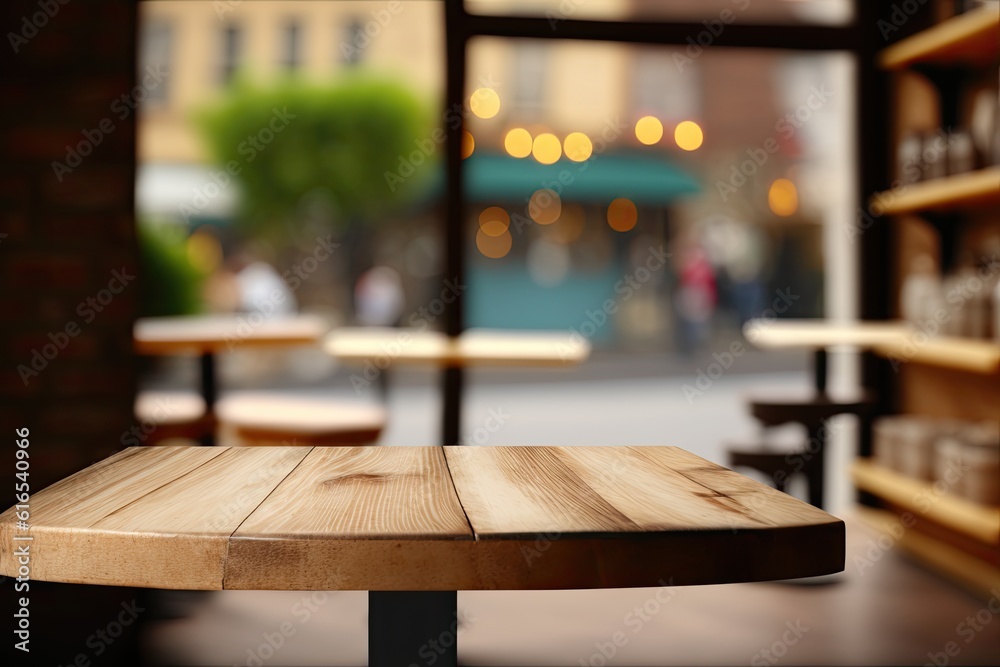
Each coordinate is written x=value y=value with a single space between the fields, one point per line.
x=64 y=231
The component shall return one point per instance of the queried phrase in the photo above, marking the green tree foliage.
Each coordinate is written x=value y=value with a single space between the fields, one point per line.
x=169 y=283
x=297 y=144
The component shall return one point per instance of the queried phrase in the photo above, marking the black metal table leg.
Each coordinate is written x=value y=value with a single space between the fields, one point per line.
x=820 y=370
x=412 y=628
x=209 y=390
x=452 y=413
x=815 y=468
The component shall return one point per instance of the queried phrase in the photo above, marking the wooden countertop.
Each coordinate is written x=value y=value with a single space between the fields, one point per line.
x=416 y=518
x=475 y=347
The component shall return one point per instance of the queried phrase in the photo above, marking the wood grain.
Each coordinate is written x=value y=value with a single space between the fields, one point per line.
x=419 y=518
x=157 y=516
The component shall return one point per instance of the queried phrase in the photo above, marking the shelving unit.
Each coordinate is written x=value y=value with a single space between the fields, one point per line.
x=894 y=340
x=969 y=38
x=923 y=499
x=941 y=376
x=973 y=573
x=965 y=354
x=976 y=189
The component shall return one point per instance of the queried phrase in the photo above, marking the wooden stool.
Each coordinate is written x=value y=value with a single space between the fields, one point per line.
x=168 y=415
x=264 y=418
x=812 y=411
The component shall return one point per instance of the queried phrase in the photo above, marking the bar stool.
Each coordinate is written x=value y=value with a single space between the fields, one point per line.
x=169 y=415
x=812 y=411
x=266 y=418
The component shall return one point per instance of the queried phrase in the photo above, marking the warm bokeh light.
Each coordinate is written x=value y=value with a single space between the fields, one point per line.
x=204 y=251
x=518 y=142
x=783 y=197
x=688 y=135
x=648 y=130
x=494 y=247
x=468 y=144
x=569 y=227
x=577 y=146
x=485 y=103
x=544 y=206
x=622 y=214
x=546 y=148
x=494 y=221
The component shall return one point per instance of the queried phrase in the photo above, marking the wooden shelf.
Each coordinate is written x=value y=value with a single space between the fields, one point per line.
x=966 y=39
x=896 y=340
x=977 y=521
x=979 y=577
x=970 y=190
x=966 y=354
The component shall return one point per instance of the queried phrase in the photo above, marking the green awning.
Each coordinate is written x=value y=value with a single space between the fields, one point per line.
x=646 y=180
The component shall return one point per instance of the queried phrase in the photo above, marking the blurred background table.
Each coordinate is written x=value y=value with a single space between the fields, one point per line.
x=384 y=346
x=208 y=335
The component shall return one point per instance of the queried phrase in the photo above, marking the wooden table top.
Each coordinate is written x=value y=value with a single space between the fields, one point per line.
x=821 y=333
x=215 y=333
x=416 y=518
x=475 y=347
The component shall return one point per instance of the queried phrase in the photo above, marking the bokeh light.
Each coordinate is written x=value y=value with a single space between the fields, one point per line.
x=688 y=135
x=485 y=103
x=544 y=206
x=648 y=130
x=204 y=252
x=577 y=146
x=569 y=227
x=518 y=142
x=494 y=221
x=622 y=214
x=494 y=247
x=783 y=197
x=468 y=144
x=546 y=148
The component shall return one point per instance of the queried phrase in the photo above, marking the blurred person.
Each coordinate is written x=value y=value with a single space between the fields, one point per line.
x=696 y=298
x=379 y=298
x=262 y=289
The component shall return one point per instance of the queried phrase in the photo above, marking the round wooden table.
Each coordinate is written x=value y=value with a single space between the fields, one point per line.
x=413 y=525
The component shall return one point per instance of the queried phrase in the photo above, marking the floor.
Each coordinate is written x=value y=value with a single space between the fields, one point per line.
x=891 y=613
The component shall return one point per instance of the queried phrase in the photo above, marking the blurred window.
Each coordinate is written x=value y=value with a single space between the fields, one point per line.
x=353 y=42
x=232 y=39
x=291 y=46
x=665 y=88
x=155 y=52
x=531 y=68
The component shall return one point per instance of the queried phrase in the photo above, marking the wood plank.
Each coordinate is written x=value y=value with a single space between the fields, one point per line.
x=363 y=493
x=355 y=518
x=517 y=492
x=158 y=516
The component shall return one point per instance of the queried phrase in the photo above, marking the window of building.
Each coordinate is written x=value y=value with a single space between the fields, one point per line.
x=291 y=46
x=154 y=56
